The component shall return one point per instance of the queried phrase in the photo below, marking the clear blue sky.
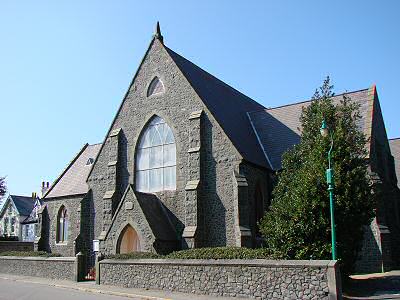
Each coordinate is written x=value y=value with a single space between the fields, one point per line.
x=65 y=67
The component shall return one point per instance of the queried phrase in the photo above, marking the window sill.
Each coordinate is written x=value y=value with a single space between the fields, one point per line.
x=61 y=243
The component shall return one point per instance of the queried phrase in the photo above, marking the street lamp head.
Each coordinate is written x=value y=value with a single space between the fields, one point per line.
x=324 y=129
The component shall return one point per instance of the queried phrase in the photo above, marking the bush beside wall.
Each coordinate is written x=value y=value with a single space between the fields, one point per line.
x=201 y=253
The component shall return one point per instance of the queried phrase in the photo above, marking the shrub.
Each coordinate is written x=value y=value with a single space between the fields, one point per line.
x=29 y=253
x=221 y=253
x=133 y=255
x=297 y=225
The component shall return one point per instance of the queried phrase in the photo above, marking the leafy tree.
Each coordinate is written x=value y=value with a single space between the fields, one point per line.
x=3 y=188
x=297 y=226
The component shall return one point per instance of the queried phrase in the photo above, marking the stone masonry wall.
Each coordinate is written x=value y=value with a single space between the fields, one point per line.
x=51 y=267
x=175 y=105
x=260 y=279
x=73 y=206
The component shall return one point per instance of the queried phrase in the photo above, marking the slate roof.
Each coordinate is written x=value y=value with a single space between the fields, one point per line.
x=228 y=106
x=72 y=180
x=279 y=128
x=23 y=204
x=395 y=150
x=156 y=216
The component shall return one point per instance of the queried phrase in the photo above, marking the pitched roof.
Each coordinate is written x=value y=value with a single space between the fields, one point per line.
x=228 y=106
x=156 y=216
x=279 y=128
x=395 y=150
x=72 y=180
x=23 y=204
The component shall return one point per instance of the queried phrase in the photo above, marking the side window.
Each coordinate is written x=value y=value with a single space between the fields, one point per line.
x=12 y=224
x=62 y=225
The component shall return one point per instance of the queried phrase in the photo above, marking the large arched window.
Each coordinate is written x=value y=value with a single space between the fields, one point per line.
x=156 y=158
x=62 y=225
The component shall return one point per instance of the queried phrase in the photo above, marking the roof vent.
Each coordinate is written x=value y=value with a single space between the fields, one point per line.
x=90 y=161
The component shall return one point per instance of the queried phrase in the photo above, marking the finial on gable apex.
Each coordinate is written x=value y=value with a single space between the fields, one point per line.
x=157 y=34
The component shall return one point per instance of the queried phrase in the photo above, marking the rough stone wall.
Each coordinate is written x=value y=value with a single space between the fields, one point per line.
x=55 y=268
x=260 y=279
x=15 y=246
x=73 y=206
x=219 y=157
x=383 y=236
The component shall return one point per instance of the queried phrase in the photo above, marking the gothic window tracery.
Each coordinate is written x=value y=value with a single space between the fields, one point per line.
x=156 y=158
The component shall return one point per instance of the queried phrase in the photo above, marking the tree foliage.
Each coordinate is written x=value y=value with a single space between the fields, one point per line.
x=297 y=226
x=3 y=188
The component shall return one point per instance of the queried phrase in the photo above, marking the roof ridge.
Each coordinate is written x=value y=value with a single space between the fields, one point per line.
x=214 y=77
x=305 y=101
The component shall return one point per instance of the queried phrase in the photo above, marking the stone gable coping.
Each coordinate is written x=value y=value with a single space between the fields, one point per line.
x=114 y=132
x=194 y=149
x=195 y=114
x=108 y=194
x=189 y=231
x=192 y=185
x=112 y=163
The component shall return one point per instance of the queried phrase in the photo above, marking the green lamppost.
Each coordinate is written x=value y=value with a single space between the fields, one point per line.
x=329 y=180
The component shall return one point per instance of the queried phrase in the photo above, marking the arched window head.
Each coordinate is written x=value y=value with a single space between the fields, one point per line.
x=156 y=87
x=156 y=158
x=62 y=225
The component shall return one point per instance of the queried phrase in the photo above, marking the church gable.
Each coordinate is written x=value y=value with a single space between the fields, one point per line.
x=147 y=217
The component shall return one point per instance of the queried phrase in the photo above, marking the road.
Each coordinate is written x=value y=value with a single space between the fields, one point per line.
x=19 y=290
x=18 y=287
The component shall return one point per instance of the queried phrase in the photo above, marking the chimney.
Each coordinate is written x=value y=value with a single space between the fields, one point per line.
x=45 y=188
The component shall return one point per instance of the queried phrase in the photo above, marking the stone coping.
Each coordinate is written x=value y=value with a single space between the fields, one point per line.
x=226 y=262
x=36 y=258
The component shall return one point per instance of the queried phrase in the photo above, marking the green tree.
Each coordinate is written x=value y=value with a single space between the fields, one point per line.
x=297 y=225
x=3 y=188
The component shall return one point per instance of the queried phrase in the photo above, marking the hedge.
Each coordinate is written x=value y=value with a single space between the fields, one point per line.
x=29 y=253
x=201 y=253
x=134 y=255
x=220 y=253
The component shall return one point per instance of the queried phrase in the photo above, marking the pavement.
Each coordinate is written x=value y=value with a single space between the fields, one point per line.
x=373 y=286
x=13 y=287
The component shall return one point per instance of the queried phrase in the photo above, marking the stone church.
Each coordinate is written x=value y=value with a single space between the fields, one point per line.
x=189 y=161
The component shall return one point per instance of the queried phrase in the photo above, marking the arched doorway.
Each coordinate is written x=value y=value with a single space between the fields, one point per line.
x=128 y=241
